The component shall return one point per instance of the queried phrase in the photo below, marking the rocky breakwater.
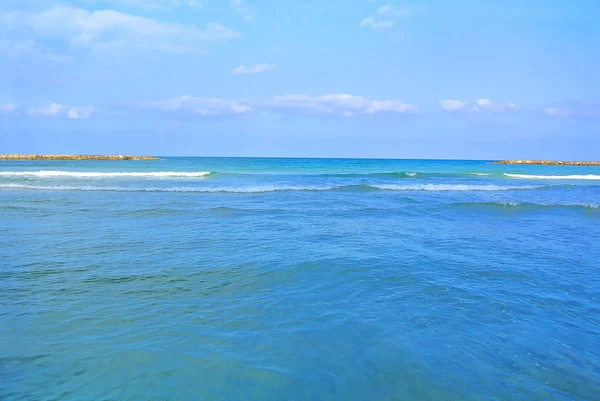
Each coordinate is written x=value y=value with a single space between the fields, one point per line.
x=73 y=157
x=547 y=162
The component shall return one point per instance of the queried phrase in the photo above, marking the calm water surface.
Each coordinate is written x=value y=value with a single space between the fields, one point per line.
x=299 y=279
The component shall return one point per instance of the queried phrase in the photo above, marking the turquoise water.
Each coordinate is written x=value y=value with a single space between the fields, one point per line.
x=299 y=279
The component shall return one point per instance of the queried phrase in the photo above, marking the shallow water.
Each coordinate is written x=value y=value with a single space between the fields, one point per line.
x=299 y=279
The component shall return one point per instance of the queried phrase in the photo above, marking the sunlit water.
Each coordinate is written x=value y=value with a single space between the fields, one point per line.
x=299 y=279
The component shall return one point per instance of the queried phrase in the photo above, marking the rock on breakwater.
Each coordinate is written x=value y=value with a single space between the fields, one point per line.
x=547 y=162
x=73 y=157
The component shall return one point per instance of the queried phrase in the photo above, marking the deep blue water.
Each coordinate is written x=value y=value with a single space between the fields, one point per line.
x=299 y=279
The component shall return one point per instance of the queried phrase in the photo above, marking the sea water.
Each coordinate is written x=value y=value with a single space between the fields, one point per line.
x=298 y=279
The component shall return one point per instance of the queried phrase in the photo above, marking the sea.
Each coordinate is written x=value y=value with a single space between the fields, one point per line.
x=298 y=279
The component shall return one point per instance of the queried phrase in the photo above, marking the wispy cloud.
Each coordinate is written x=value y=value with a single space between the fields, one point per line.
x=452 y=104
x=384 y=17
x=374 y=23
x=145 y=4
x=196 y=106
x=481 y=104
x=60 y=110
x=391 y=10
x=79 y=29
x=16 y=48
x=8 y=108
x=161 y=4
x=557 y=111
x=334 y=104
x=585 y=108
x=294 y=105
x=254 y=69
x=485 y=103
x=241 y=9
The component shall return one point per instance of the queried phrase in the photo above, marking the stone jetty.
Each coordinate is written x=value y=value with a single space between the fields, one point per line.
x=73 y=157
x=547 y=162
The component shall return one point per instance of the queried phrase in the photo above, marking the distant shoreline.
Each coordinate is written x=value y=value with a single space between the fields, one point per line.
x=73 y=157
x=14 y=156
x=547 y=162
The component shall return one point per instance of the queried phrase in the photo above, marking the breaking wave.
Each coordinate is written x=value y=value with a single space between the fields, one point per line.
x=452 y=187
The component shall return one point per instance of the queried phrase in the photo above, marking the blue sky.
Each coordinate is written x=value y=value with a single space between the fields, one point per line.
x=409 y=79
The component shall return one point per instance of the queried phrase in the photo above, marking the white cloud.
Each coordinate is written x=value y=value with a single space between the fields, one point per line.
x=385 y=9
x=557 y=111
x=8 y=108
x=60 y=110
x=77 y=28
x=484 y=103
x=452 y=104
x=158 y=4
x=241 y=9
x=334 y=104
x=54 y=109
x=373 y=23
x=199 y=106
x=481 y=104
x=16 y=48
x=580 y=109
x=340 y=105
x=376 y=106
x=384 y=17
x=390 y=9
x=79 y=113
x=255 y=69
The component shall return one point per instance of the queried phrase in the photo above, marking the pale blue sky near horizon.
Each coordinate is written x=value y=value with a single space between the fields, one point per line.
x=394 y=79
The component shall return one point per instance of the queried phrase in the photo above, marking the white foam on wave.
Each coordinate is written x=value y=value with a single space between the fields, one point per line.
x=479 y=173
x=97 y=174
x=411 y=174
x=250 y=189
x=273 y=188
x=451 y=187
x=542 y=204
x=555 y=177
x=509 y=203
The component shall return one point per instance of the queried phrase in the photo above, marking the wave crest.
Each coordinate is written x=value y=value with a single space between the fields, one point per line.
x=452 y=187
